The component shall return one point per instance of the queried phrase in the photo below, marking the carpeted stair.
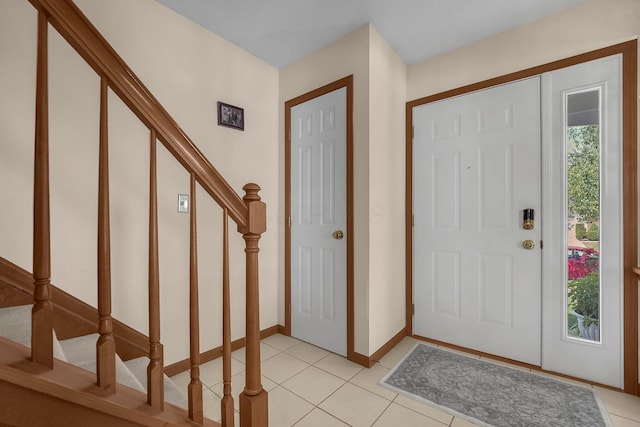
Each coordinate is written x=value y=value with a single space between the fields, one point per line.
x=15 y=324
x=172 y=393
x=81 y=351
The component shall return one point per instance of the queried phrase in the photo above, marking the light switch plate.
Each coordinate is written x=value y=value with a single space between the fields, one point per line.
x=183 y=203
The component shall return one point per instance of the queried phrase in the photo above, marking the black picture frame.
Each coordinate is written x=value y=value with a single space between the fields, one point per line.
x=230 y=116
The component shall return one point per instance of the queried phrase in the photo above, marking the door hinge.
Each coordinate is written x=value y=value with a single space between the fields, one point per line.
x=412 y=220
x=289 y=222
x=413 y=130
x=289 y=135
x=541 y=244
x=413 y=309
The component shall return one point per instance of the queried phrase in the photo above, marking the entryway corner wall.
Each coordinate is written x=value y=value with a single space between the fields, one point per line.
x=379 y=89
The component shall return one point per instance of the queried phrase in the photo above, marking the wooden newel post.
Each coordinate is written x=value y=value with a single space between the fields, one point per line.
x=253 y=400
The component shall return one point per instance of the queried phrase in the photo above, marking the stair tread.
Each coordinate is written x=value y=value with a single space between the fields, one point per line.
x=15 y=324
x=81 y=351
x=172 y=393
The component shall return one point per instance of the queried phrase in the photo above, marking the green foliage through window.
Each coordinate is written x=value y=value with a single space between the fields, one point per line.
x=583 y=173
x=584 y=297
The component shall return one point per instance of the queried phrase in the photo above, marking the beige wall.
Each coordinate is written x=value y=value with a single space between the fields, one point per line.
x=388 y=86
x=349 y=55
x=188 y=69
x=589 y=26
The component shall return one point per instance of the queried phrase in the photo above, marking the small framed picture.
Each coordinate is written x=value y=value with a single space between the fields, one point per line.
x=230 y=116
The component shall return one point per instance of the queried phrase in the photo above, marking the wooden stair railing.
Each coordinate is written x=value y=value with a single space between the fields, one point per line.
x=42 y=317
x=106 y=346
x=155 y=370
x=249 y=213
x=195 y=386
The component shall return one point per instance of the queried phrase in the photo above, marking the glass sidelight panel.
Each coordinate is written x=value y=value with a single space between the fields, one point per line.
x=583 y=287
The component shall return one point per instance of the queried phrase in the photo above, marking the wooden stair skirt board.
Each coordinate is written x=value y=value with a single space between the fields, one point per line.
x=361 y=359
x=72 y=317
x=68 y=396
x=207 y=356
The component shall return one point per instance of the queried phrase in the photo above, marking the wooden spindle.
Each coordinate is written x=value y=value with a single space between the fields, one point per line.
x=195 y=386
x=254 y=409
x=42 y=312
x=105 y=347
x=227 y=400
x=155 y=370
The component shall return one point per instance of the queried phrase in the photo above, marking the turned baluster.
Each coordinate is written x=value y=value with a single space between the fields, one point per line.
x=105 y=347
x=227 y=399
x=253 y=400
x=42 y=312
x=155 y=370
x=195 y=386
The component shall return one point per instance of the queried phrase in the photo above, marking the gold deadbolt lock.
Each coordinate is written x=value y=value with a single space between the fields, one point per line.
x=528 y=244
x=338 y=234
x=528 y=219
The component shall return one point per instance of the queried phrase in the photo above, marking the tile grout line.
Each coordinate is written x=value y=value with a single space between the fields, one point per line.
x=420 y=413
x=322 y=401
x=381 y=413
x=321 y=410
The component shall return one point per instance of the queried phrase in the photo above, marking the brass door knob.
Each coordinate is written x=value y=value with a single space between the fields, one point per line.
x=528 y=244
x=338 y=234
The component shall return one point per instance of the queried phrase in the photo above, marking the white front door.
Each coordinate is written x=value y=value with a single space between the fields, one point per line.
x=582 y=134
x=476 y=168
x=318 y=222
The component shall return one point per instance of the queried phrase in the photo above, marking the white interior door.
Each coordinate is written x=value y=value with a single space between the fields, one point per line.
x=588 y=94
x=318 y=222
x=476 y=167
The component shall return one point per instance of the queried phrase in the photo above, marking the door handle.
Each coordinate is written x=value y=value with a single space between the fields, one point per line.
x=338 y=234
x=528 y=244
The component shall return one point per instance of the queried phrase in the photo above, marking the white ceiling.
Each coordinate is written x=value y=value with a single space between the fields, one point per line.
x=283 y=31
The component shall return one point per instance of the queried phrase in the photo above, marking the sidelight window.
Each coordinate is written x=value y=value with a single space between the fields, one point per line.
x=583 y=166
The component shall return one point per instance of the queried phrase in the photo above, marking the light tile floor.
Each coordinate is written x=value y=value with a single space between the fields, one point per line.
x=311 y=387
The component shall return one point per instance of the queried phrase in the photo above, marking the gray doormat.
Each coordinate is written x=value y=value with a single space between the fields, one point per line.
x=489 y=394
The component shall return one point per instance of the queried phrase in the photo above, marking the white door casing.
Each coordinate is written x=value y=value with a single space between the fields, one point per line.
x=600 y=362
x=476 y=167
x=318 y=209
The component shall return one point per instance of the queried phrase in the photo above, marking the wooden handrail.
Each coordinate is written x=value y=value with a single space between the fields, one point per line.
x=74 y=27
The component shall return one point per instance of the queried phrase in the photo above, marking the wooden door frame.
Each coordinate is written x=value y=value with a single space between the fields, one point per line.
x=346 y=82
x=629 y=52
